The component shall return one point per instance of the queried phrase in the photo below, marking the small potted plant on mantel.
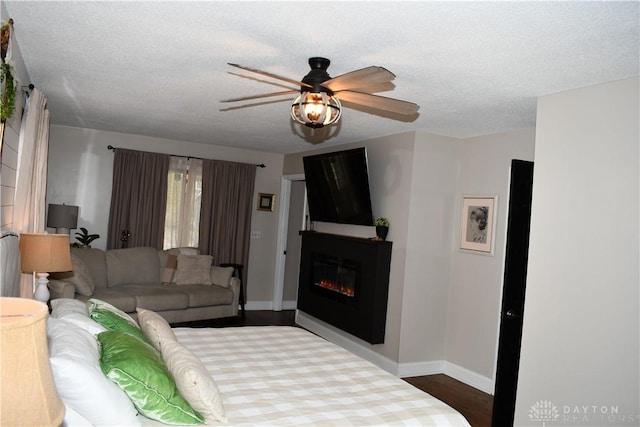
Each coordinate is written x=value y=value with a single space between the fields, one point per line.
x=84 y=238
x=382 y=227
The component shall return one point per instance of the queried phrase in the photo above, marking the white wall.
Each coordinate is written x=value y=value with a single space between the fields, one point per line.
x=431 y=209
x=80 y=173
x=580 y=343
x=475 y=291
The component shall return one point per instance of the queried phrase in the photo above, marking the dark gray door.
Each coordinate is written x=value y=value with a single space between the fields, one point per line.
x=515 y=279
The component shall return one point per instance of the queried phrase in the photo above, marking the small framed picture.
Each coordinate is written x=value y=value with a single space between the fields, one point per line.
x=266 y=201
x=477 y=231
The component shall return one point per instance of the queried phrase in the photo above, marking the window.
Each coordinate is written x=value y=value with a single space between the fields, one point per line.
x=184 y=191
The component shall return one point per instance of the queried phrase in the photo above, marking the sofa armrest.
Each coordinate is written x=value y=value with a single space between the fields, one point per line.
x=61 y=289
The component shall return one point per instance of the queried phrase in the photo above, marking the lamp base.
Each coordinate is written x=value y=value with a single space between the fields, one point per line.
x=42 y=293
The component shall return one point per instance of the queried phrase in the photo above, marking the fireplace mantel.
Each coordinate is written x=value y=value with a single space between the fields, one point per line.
x=344 y=281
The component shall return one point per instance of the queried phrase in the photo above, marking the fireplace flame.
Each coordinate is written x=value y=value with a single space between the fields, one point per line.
x=336 y=287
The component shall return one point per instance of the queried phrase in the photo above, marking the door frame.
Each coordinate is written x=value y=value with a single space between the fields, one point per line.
x=281 y=243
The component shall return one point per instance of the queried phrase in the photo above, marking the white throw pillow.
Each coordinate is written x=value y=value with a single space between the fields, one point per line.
x=195 y=383
x=63 y=306
x=155 y=327
x=73 y=354
x=73 y=419
x=83 y=322
x=193 y=270
x=75 y=312
x=221 y=276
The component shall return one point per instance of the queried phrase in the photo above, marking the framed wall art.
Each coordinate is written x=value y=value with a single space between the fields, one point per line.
x=477 y=232
x=266 y=202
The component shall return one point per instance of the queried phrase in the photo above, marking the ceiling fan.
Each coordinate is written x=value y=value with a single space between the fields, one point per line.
x=320 y=97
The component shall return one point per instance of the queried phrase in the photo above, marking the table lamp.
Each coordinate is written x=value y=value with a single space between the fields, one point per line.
x=28 y=394
x=62 y=217
x=42 y=254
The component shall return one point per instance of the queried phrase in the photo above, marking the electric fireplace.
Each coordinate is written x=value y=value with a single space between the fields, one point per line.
x=344 y=281
x=336 y=277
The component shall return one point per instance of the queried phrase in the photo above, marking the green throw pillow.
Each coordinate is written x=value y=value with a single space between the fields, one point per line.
x=137 y=368
x=114 y=319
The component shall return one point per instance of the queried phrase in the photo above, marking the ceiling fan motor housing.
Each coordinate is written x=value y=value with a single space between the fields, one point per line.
x=317 y=75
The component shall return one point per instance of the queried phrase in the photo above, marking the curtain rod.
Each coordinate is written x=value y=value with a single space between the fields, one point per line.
x=112 y=148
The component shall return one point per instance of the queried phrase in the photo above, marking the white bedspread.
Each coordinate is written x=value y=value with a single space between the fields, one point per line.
x=286 y=376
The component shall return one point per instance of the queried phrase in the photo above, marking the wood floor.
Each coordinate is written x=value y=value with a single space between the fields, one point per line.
x=474 y=404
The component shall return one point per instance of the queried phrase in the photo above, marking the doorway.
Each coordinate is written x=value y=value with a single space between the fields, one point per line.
x=297 y=212
x=515 y=278
x=288 y=213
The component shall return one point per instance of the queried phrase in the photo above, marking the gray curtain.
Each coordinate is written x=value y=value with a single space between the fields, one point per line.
x=225 y=213
x=138 y=198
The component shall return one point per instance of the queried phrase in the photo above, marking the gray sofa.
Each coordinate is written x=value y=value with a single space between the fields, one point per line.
x=133 y=277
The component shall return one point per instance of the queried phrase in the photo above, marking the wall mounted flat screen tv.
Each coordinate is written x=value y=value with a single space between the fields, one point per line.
x=338 y=187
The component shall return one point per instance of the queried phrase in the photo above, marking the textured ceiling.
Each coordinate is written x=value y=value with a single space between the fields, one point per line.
x=160 y=68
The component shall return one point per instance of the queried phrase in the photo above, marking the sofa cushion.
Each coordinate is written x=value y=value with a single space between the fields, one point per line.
x=221 y=276
x=193 y=270
x=206 y=295
x=158 y=297
x=164 y=255
x=132 y=265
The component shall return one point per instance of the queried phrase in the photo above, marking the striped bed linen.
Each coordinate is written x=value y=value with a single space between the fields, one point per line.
x=287 y=376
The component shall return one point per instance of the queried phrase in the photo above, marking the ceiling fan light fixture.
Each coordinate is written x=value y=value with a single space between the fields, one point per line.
x=316 y=109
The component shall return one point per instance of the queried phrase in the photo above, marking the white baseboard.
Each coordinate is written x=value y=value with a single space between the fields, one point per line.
x=268 y=305
x=258 y=305
x=468 y=377
x=416 y=369
x=289 y=305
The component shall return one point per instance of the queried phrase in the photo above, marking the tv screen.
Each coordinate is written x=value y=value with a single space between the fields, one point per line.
x=338 y=187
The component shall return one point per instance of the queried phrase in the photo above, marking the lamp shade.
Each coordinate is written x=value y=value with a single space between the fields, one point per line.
x=27 y=391
x=45 y=253
x=62 y=216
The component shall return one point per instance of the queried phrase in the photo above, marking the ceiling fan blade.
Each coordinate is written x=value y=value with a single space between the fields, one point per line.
x=263 y=81
x=359 y=78
x=264 y=95
x=255 y=104
x=379 y=102
x=273 y=76
x=374 y=88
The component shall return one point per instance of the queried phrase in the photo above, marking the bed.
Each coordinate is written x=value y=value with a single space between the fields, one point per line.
x=287 y=376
